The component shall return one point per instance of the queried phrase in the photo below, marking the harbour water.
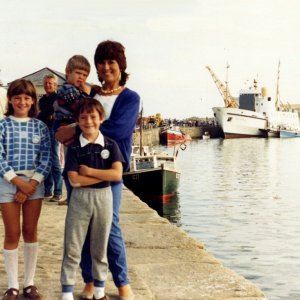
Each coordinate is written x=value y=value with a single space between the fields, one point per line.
x=241 y=198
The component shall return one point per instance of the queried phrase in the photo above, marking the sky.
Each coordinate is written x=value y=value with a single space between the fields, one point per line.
x=168 y=45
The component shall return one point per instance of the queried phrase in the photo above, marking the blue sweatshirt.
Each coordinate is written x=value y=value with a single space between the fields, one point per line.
x=121 y=123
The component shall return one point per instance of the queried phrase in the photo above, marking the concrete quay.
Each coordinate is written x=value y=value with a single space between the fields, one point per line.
x=164 y=262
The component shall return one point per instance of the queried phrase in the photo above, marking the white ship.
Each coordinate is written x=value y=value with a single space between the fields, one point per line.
x=253 y=114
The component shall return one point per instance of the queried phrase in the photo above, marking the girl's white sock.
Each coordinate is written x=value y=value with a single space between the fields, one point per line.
x=11 y=267
x=99 y=292
x=67 y=296
x=30 y=259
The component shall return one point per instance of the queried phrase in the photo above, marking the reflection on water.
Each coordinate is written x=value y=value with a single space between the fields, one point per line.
x=168 y=208
x=241 y=198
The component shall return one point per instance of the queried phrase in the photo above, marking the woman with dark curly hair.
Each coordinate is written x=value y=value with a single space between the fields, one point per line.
x=122 y=107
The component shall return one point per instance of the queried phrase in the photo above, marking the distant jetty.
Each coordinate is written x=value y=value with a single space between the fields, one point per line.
x=150 y=135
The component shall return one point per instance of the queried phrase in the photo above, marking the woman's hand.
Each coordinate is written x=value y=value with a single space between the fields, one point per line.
x=65 y=134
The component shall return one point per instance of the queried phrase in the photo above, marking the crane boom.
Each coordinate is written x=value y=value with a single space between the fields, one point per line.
x=223 y=89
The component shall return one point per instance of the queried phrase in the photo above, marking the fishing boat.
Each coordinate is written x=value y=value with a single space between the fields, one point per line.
x=173 y=135
x=285 y=133
x=152 y=175
x=253 y=114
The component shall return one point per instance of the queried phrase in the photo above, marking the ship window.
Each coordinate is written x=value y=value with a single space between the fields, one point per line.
x=229 y=119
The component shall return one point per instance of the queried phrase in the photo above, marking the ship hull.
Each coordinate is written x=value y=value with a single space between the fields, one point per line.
x=170 y=136
x=240 y=123
x=152 y=182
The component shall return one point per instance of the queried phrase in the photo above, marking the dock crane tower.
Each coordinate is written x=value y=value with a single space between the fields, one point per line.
x=223 y=89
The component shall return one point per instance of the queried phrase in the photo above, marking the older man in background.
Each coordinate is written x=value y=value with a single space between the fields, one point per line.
x=54 y=180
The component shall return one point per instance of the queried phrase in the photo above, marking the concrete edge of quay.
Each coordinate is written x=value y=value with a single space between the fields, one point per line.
x=164 y=262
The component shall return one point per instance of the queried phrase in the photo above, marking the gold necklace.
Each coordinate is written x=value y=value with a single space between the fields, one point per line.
x=110 y=91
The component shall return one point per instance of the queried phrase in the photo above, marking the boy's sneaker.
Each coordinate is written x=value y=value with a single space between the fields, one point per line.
x=55 y=198
x=48 y=195
x=62 y=202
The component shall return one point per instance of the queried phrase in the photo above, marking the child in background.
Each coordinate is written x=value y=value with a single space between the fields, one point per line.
x=24 y=163
x=72 y=91
x=92 y=161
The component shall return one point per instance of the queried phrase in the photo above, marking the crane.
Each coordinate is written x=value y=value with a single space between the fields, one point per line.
x=223 y=89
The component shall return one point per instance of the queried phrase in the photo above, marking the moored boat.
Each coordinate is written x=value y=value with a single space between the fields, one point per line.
x=253 y=114
x=173 y=135
x=239 y=123
x=285 y=133
x=152 y=174
x=206 y=135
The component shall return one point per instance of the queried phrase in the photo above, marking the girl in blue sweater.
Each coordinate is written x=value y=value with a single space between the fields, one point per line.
x=24 y=163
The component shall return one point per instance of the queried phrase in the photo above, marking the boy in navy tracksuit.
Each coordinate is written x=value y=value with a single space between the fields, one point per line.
x=92 y=161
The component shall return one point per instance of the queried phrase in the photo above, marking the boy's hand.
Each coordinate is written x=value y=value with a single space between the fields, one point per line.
x=84 y=170
x=85 y=88
x=20 y=197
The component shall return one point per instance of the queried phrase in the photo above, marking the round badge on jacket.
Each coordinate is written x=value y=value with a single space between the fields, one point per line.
x=105 y=154
x=35 y=139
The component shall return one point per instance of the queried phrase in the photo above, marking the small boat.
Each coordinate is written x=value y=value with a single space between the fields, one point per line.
x=285 y=133
x=206 y=135
x=173 y=135
x=152 y=175
x=273 y=132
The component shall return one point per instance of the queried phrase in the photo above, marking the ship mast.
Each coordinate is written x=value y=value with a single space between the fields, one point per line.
x=277 y=100
x=229 y=101
x=278 y=103
x=141 y=132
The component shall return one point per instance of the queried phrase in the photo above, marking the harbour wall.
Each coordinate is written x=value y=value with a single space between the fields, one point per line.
x=164 y=262
x=151 y=135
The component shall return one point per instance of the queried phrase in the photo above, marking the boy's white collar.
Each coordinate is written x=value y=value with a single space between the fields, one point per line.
x=99 y=140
